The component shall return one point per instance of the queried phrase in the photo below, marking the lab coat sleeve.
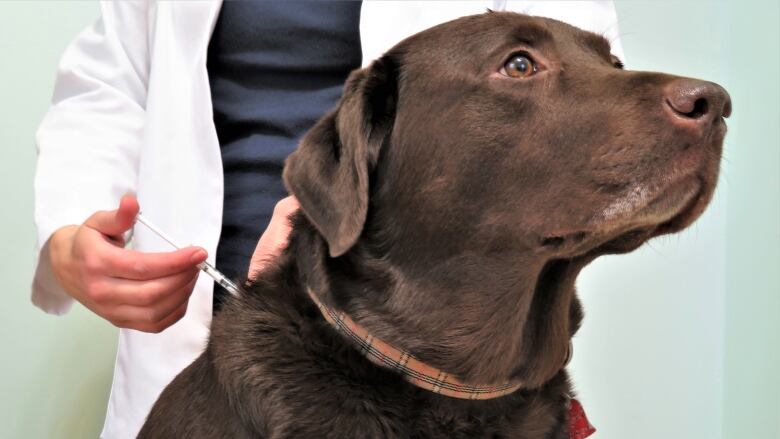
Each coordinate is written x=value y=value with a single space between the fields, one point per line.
x=596 y=16
x=89 y=140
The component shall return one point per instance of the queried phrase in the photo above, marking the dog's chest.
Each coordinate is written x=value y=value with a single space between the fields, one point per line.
x=292 y=376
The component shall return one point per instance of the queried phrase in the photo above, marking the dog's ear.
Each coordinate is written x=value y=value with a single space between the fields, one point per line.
x=329 y=172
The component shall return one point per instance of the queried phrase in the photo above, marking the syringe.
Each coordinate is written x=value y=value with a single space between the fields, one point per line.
x=207 y=268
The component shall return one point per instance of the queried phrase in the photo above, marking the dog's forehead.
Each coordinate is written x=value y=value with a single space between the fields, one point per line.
x=469 y=39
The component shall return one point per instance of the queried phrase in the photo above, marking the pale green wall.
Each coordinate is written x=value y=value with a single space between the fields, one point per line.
x=648 y=360
x=54 y=372
x=752 y=344
x=681 y=339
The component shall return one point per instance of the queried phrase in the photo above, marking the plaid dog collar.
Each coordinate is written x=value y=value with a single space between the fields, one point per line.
x=412 y=369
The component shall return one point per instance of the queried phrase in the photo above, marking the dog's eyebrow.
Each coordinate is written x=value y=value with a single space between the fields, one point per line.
x=531 y=35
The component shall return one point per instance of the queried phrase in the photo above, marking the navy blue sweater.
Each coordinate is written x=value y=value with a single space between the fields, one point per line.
x=275 y=68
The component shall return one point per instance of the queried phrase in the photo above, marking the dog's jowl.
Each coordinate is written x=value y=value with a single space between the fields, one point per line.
x=448 y=204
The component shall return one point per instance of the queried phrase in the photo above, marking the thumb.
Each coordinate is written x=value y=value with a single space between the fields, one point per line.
x=115 y=222
x=276 y=236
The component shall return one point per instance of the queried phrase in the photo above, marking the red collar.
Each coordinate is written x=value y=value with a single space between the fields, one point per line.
x=579 y=427
x=433 y=379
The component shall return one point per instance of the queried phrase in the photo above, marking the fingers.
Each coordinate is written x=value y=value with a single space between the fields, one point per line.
x=144 y=291
x=172 y=318
x=145 y=324
x=275 y=237
x=131 y=264
x=286 y=206
x=170 y=308
x=150 y=293
x=115 y=222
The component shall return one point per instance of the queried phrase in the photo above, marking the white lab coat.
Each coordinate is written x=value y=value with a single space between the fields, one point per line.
x=131 y=112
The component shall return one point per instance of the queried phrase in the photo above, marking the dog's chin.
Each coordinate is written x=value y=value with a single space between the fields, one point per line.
x=672 y=210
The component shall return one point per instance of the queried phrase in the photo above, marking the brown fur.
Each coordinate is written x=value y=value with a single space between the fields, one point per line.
x=448 y=209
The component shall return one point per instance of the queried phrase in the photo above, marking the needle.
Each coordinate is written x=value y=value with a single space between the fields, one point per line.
x=207 y=268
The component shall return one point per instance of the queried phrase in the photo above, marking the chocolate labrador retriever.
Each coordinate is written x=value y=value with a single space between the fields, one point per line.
x=448 y=204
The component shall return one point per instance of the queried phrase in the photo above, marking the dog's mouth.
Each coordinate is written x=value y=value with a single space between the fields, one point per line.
x=670 y=212
x=615 y=231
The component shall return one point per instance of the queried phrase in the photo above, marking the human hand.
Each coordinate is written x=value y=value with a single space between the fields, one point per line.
x=144 y=291
x=275 y=237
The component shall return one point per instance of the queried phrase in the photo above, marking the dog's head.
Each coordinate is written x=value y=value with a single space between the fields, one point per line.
x=507 y=130
x=480 y=164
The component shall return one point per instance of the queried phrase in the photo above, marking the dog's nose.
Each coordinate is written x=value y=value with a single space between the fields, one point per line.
x=697 y=103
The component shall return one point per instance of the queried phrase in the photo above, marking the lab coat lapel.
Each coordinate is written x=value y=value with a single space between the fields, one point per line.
x=180 y=187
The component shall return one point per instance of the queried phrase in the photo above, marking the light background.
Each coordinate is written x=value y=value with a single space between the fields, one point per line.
x=681 y=338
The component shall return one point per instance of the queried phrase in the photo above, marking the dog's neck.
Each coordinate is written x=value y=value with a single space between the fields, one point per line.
x=480 y=318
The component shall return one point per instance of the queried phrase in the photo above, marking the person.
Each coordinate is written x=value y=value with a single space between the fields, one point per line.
x=188 y=110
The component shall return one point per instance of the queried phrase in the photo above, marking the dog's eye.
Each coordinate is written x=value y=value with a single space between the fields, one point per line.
x=519 y=66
